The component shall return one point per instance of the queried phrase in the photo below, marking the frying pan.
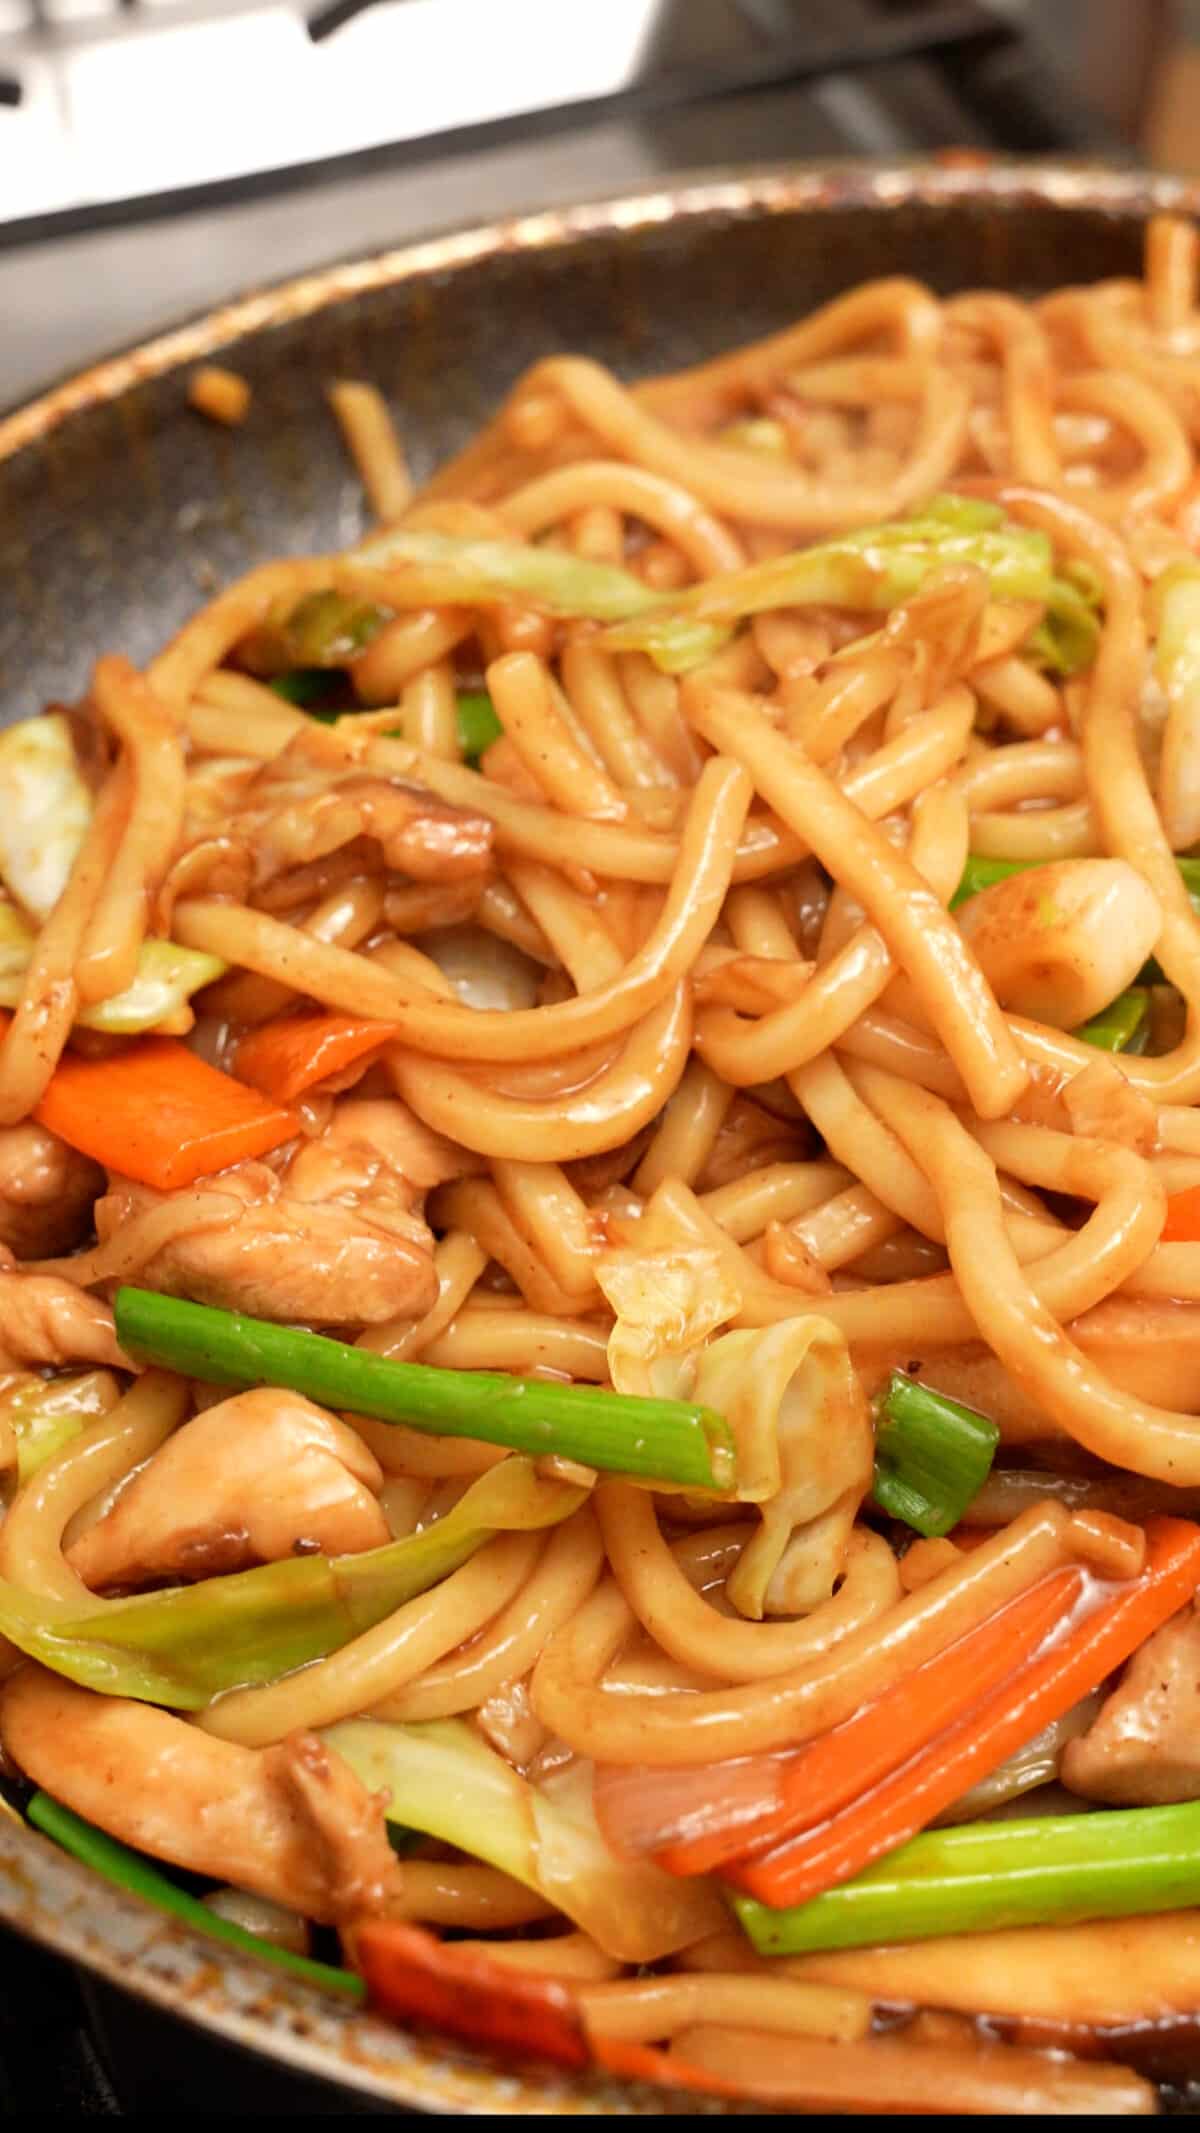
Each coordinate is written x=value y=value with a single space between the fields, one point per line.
x=120 y=510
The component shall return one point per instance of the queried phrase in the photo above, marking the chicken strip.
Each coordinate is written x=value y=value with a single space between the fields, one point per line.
x=293 y=813
x=46 y=1192
x=259 y=1477
x=334 y=1238
x=1144 y=1748
x=290 y=1822
x=50 y=1322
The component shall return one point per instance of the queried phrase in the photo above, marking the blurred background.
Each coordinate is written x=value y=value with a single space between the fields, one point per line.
x=159 y=155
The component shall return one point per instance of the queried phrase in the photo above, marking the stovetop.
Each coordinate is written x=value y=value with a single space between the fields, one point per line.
x=112 y=102
x=167 y=154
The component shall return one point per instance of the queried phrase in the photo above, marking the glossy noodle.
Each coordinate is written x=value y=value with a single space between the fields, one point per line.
x=600 y=1197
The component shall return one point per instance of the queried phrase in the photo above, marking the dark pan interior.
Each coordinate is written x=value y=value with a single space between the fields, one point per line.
x=121 y=510
x=116 y=525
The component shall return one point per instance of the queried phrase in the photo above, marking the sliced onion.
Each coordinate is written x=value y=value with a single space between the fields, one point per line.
x=641 y=1810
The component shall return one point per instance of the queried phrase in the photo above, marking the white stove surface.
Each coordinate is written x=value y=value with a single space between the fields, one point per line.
x=120 y=104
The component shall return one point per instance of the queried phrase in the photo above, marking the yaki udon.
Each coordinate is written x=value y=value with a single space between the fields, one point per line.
x=600 y=1198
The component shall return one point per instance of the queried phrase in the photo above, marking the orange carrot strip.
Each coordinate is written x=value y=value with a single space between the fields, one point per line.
x=157 y=1113
x=284 y=1058
x=1039 y=1692
x=1182 y=1225
x=414 y=1977
x=647 y=2062
x=411 y=1976
x=840 y=1765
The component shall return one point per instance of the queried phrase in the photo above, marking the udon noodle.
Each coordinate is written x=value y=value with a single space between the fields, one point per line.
x=696 y=904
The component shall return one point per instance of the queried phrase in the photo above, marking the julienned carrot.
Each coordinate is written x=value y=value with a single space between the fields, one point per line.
x=663 y=2070
x=284 y=1058
x=412 y=1976
x=840 y=1765
x=1182 y=1225
x=157 y=1113
x=1035 y=1695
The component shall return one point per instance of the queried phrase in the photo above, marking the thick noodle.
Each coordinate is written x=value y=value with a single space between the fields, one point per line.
x=689 y=988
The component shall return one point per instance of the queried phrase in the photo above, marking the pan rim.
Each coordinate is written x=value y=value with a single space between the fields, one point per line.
x=766 y=189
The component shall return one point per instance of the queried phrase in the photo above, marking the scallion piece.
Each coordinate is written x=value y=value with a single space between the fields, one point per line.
x=931 y=1455
x=987 y=1876
x=478 y=725
x=303 y=686
x=1122 y=1025
x=654 y=1440
x=980 y=873
x=129 y=1870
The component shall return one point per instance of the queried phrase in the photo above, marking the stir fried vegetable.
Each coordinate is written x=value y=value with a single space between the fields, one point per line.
x=986 y=1876
x=444 y=566
x=443 y=1780
x=980 y=873
x=931 y=1455
x=46 y=1414
x=874 y=569
x=129 y=1870
x=183 y=1647
x=293 y=1053
x=306 y=687
x=412 y=1976
x=1047 y=1684
x=668 y=1440
x=478 y=725
x=324 y=629
x=167 y=976
x=159 y=1113
x=45 y=808
x=1065 y=639
x=1122 y=1026
x=839 y=1767
x=1182 y=1225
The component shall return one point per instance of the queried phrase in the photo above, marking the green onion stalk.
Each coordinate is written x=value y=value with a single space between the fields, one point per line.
x=128 y=1870
x=652 y=1440
x=478 y=725
x=932 y=1455
x=985 y=1877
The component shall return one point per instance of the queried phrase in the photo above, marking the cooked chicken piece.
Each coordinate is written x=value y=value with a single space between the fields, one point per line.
x=1144 y=1748
x=47 y=1321
x=335 y=1238
x=290 y=1822
x=292 y=814
x=46 y=1192
x=257 y=1478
